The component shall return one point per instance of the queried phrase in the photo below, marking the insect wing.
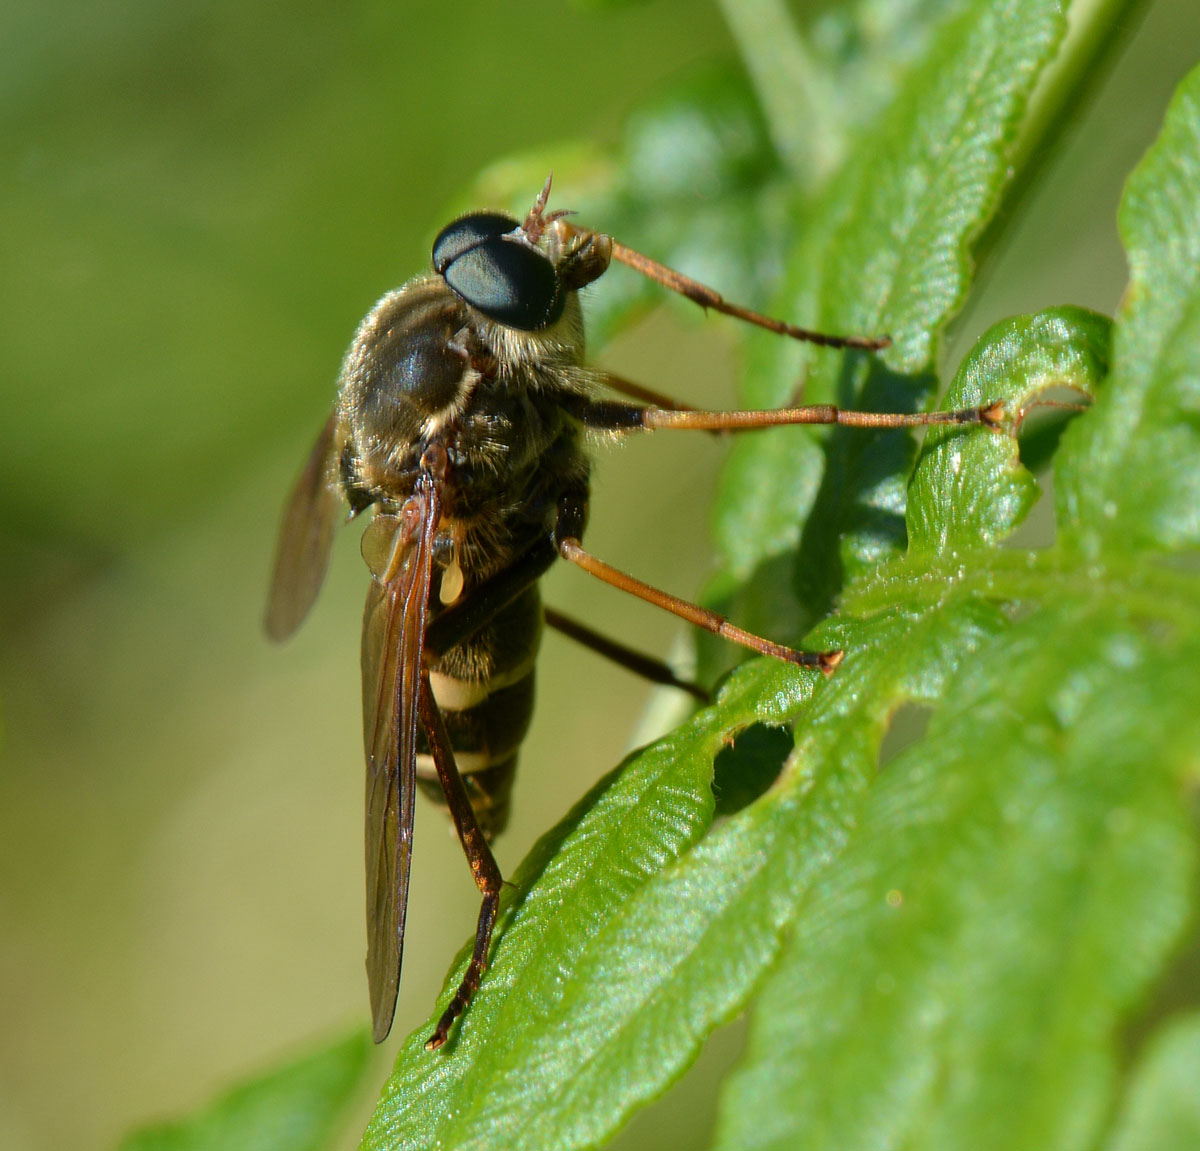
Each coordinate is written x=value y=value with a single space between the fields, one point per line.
x=392 y=648
x=306 y=537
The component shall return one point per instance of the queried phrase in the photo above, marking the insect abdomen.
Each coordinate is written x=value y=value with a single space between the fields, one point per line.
x=485 y=689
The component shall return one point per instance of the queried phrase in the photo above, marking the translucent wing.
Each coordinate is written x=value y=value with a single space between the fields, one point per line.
x=399 y=550
x=302 y=554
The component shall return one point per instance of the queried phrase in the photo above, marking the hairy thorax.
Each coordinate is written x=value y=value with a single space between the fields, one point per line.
x=425 y=368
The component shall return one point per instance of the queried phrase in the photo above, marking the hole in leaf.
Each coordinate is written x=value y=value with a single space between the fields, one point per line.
x=1037 y=441
x=1039 y=529
x=908 y=725
x=743 y=771
x=1043 y=426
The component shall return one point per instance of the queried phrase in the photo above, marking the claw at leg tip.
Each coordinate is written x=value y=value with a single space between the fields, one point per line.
x=830 y=661
x=993 y=415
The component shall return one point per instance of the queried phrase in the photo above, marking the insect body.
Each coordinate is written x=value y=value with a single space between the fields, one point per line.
x=461 y=418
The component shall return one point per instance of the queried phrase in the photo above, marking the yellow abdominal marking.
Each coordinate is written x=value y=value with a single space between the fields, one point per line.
x=467 y=762
x=454 y=694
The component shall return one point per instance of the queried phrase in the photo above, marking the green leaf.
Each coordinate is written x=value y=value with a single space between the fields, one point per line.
x=1016 y=879
x=1162 y=1112
x=295 y=1108
x=1013 y=364
x=552 y=973
x=1021 y=873
x=822 y=90
x=1149 y=424
x=942 y=954
x=885 y=251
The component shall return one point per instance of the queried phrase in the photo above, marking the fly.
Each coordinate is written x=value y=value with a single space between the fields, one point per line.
x=461 y=420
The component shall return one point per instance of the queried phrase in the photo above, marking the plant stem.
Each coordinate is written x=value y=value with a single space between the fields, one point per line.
x=793 y=91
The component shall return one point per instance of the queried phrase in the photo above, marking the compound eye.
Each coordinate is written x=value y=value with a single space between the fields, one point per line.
x=468 y=232
x=507 y=280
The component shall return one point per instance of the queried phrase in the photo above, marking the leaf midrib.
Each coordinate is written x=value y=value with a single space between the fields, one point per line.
x=1141 y=585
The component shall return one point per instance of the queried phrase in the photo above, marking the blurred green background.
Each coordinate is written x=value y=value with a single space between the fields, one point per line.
x=199 y=203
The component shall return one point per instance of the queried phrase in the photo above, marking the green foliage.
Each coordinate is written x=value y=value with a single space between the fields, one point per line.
x=942 y=954
x=1163 y=1107
x=297 y=1107
x=1132 y=479
x=947 y=952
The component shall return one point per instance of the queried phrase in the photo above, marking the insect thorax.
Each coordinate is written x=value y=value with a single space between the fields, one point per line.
x=424 y=368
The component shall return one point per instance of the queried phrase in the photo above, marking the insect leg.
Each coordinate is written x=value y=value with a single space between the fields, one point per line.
x=572 y=512
x=989 y=416
x=573 y=551
x=706 y=297
x=641 y=392
x=483 y=864
x=569 y=237
x=474 y=611
x=613 y=415
x=635 y=661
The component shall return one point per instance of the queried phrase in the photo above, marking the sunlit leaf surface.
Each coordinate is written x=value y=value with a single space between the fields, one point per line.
x=940 y=955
